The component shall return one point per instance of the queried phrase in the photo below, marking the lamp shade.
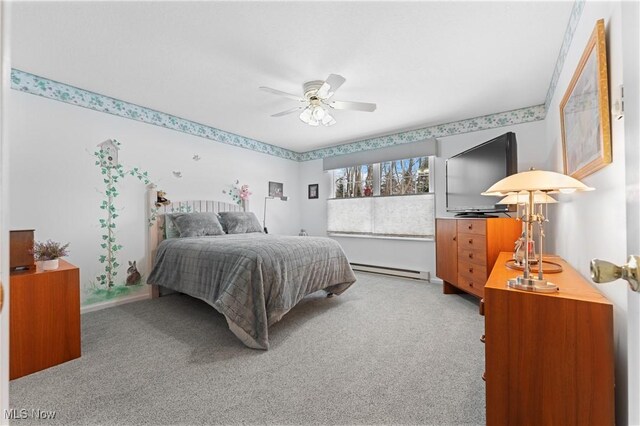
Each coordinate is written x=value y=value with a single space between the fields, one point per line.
x=536 y=180
x=523 y=198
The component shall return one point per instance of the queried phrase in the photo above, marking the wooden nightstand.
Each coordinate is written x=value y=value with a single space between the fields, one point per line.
x=44 y=318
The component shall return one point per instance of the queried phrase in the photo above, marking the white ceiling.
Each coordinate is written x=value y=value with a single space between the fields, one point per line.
x=423 y=63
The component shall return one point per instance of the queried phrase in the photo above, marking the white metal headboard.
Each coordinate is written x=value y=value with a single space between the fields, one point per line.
x=156 y=218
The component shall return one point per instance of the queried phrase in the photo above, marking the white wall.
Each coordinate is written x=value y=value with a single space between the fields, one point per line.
x=631 y=74
x=592 y=225
x=5 y=71
x=55 y=185
x=416 y=255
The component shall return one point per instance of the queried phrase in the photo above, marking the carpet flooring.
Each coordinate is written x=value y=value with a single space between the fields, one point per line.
x=388 y=351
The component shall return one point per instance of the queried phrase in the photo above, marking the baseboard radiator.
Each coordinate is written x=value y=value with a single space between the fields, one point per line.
x=384 y=270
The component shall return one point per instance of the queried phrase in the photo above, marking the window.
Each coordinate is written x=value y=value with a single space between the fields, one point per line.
x=410 y=176
x=388 y=199
x=355 y=181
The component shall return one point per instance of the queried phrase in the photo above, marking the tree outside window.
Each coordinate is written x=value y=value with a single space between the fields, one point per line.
x=356 y=181
x=402 y=177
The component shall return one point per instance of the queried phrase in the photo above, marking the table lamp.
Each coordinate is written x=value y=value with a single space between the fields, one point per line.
x=528 y=184
x=522 y=199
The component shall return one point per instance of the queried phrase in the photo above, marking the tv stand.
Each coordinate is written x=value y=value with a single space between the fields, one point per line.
x=474 y=215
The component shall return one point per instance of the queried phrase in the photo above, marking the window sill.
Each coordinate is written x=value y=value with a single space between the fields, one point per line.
x=380 y=237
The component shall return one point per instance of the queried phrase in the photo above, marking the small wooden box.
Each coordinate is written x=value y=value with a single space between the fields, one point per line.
x=20 y=246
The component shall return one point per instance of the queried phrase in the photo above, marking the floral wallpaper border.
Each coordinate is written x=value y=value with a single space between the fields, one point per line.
x=492 y=121
x=574 y=18
x=36 y=85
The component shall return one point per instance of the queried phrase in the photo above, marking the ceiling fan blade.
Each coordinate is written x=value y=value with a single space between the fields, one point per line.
x=289 y=111
x=330 y=85
x=281 y=93
x=354 y=106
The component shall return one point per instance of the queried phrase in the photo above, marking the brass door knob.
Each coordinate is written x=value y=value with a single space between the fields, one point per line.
x=604 y=272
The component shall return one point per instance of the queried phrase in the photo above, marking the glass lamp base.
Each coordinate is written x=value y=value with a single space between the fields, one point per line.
x=532 y=284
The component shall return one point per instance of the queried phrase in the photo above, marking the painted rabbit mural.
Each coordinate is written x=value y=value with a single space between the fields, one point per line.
x=133 y=276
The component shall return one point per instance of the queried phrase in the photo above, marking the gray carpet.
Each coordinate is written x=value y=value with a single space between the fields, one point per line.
x=388 y=351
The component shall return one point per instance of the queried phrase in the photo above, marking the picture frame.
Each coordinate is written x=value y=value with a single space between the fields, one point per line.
x=313 y=191
x=276 y=189
x=584 y=111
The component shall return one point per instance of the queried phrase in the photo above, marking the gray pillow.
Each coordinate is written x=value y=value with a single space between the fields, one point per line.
x=197 y=224
x=240 y=222
x=170 y=228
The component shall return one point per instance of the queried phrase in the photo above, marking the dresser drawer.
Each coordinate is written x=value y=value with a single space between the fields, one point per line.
x=472 y=226
x=472 y=277
x=478 y=257
x=471 y=285
x=472 y=242
x=473 y=272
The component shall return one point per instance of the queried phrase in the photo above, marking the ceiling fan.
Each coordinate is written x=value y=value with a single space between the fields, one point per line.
x=316 y=101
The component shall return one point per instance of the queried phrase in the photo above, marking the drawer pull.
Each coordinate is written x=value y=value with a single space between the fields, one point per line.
x=470 y=240
x=454 y=238
x=483 y=376
x=471 y=284
x=471 y=270
x=470 y=255
x=470 y=226
x=483 y=338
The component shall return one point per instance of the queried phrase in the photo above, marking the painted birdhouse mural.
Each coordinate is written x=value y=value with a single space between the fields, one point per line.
x=110 y=150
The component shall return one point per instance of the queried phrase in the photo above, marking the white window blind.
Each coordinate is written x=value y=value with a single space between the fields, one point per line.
x=401 y=216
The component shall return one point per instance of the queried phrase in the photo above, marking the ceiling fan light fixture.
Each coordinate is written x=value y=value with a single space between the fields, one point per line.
x=305 y=115
x=328 y=120
x=318 y=112
x=315 y=101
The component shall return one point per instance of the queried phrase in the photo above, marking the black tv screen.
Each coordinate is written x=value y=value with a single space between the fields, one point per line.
x=473 y=171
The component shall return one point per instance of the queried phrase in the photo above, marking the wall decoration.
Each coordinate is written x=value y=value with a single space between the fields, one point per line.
x=133 y=276
x=238 y=193
x=584 y=111
x=161 y=199
x=491 y=121
x=177 y=174
x=574 y=19
x=113 y=172
x=40 y=86
x=275 y=189
x=196 y=157
x=313 y=191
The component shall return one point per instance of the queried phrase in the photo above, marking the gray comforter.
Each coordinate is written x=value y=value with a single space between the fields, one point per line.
x=252 y=279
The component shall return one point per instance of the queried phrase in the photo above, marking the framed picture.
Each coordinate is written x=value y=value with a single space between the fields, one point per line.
x=313 y=190
x=584 y=111
x=275 y=189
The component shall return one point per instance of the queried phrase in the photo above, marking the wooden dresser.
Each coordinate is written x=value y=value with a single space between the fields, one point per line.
x=549 y=357
x=466 y=250
x=44 y=318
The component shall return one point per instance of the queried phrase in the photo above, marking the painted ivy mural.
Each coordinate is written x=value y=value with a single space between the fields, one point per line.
x=113 y=173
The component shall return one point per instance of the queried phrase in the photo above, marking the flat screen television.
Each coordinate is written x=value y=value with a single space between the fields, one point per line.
x=473 y=171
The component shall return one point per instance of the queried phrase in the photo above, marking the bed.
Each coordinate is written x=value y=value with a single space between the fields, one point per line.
x=253 y=279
